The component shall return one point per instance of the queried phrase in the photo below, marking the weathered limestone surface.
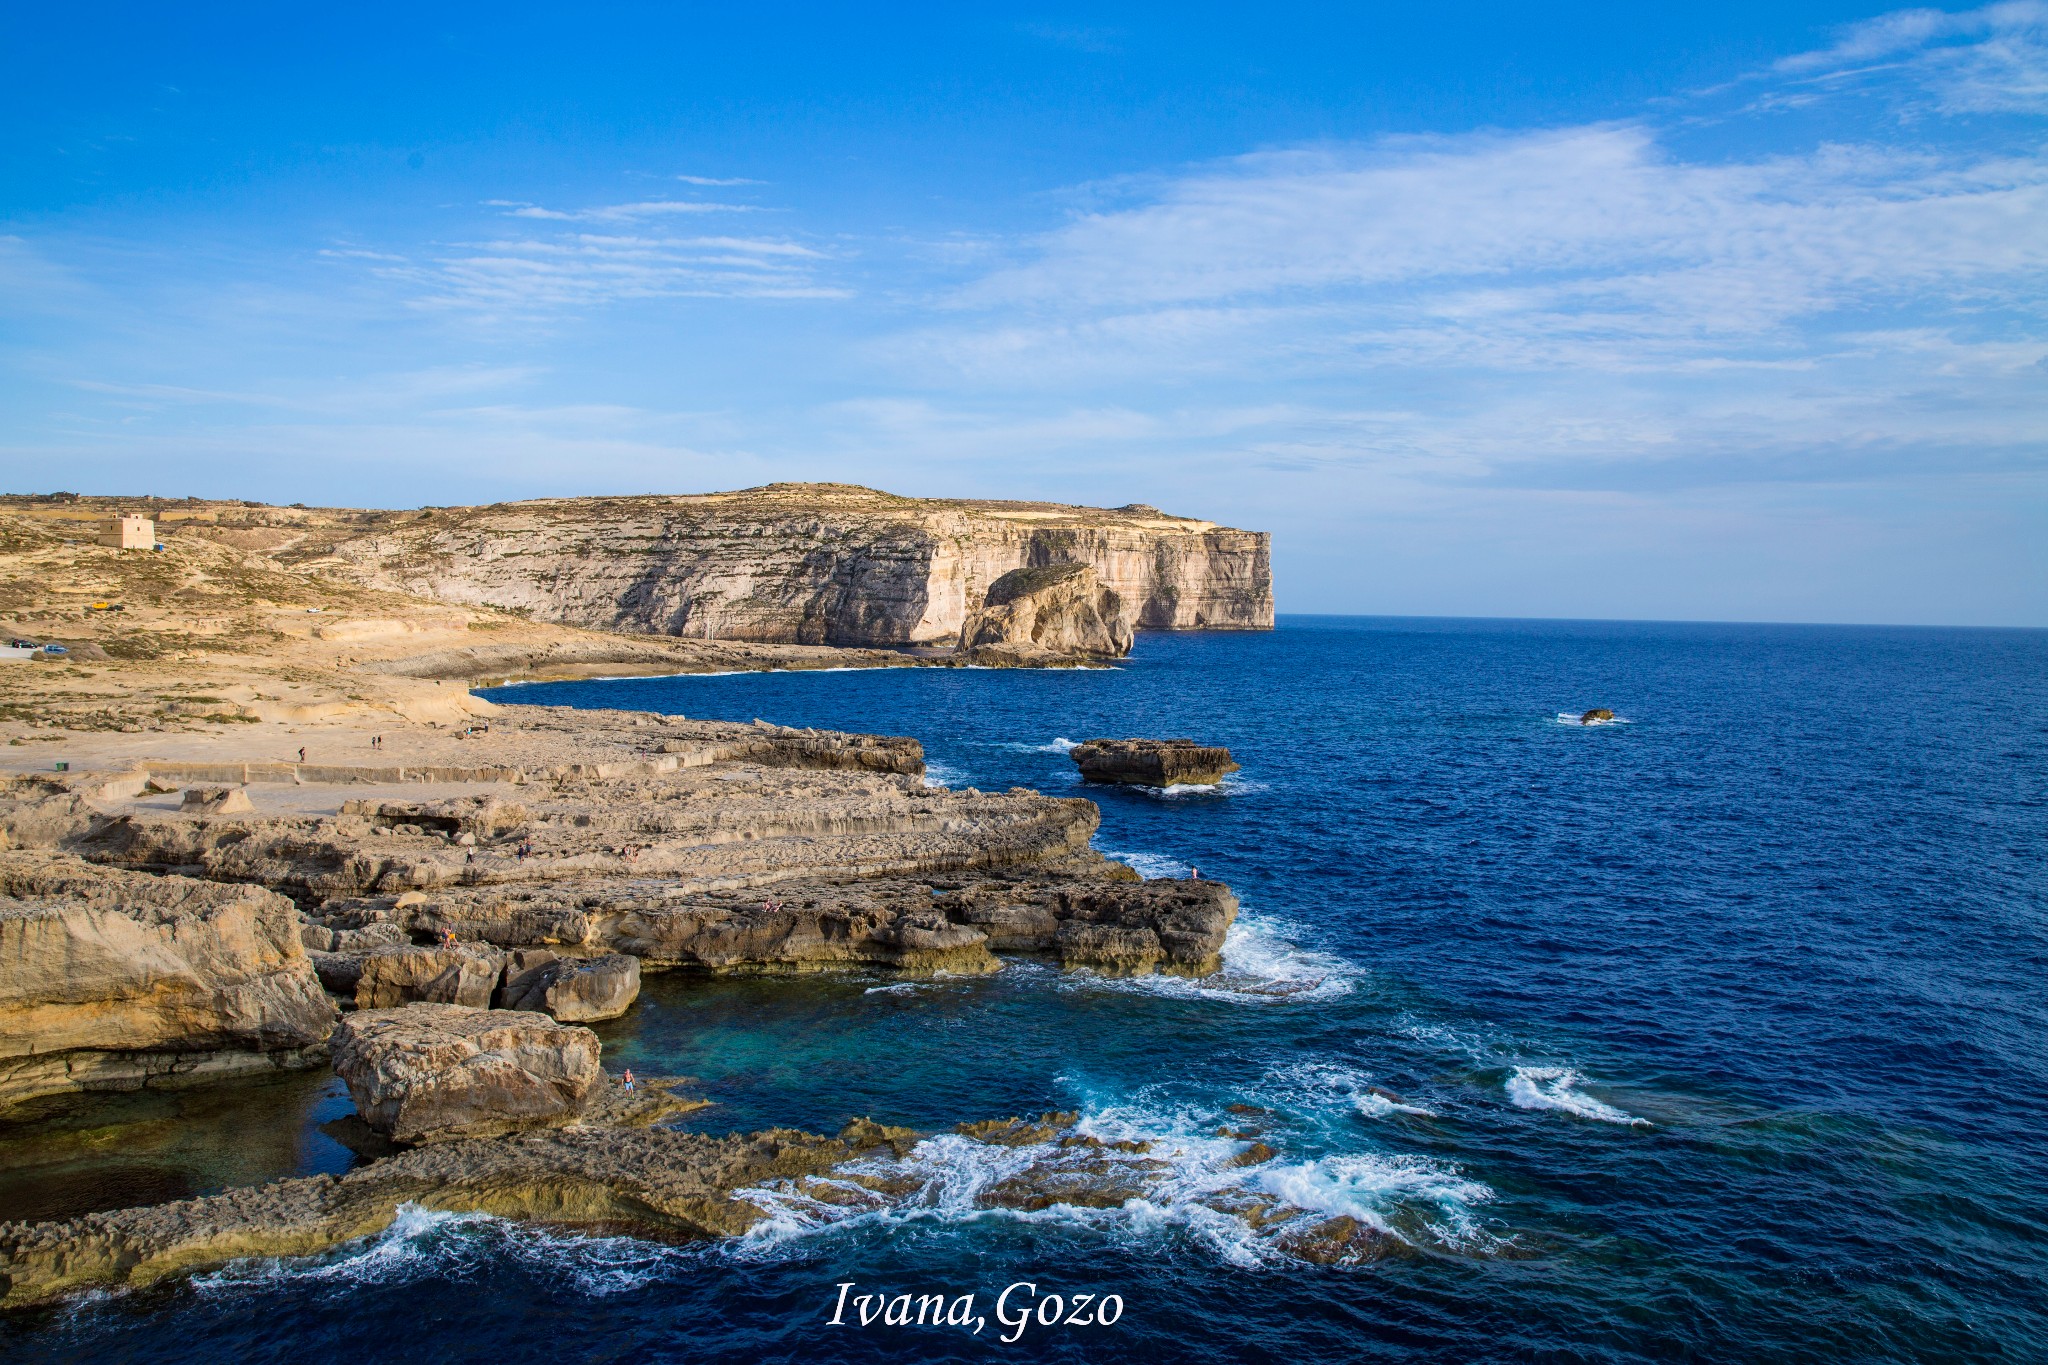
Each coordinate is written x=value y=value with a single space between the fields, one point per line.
x=1057 y=613
x=1152 y=762
x=659 y=1181
x=575 y=990
x=919 y=925
x=462 y=974
x=218 y=801
x=435 y=1072
x=113 y=979
x=803 y=563
x=604 y=1172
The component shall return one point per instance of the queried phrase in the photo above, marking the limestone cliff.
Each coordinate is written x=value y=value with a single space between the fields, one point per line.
x=115 y=980
x=797 y=563
x=1054 y=613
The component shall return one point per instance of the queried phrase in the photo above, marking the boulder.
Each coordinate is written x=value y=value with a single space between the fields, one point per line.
x=572 y=989
x=1596 y=715
x=432 y=1072
x=464 y=974
x=1152 y=762
x=1047 y=614
x=217 y=801
x=112 y=979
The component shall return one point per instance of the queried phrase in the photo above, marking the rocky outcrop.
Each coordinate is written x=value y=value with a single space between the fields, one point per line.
x=433 y=1073
x=1112 y=924
x=1053 y=614
x=604 y=1173
x=825 y=564
x=1153 y=762
x=654 y=1180
x=574 y=990
x=218 y=801
x=116 y=980
x=457 y=974
x=1596 y=716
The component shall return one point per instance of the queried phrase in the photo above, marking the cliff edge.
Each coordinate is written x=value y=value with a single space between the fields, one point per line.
x=813 y=564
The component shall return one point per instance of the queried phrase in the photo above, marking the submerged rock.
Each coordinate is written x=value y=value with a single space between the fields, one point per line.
x=431 y=1073
x=1046 y=615
x=1152 y=762
x=113 y=980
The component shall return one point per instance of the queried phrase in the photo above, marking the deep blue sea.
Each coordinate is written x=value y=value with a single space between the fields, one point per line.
x=1716 y=1033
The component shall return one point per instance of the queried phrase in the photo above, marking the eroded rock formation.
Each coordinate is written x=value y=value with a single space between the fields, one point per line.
x=1153 y=762
x=802 y=563
x=1050 y=614
x=113 y=980
x=433 y=1073
x=604 y=1172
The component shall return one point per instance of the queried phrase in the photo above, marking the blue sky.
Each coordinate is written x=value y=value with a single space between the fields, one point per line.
x=1573 y=310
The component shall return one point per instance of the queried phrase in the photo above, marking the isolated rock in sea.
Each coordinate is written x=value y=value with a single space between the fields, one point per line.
x=1596 y=715
x=113 y=980
x=1152 y=762
x=217 y=801
x=461 y=974
x=1049 y=613
x=430 y=1073
x=574 y=990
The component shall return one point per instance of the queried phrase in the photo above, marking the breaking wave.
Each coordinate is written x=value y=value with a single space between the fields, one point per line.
x=941 y=774
x=1149 y=865
x=1134 y=1173
x=1317 y=1085
x=1556 y=1087
x=425 y=1243
x=1261 y=965
x=1060 y=745
x=1233 y=784
x=1572 y=718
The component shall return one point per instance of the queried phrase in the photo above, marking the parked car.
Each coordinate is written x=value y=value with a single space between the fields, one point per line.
x=55 y=649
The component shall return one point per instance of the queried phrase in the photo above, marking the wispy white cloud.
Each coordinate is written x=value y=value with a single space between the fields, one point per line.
x=1993 y=59
x=1504 y=301
x=715 y=180
x=617 y=213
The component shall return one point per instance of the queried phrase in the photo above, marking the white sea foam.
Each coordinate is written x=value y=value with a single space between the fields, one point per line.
x=1572 y=718
x=938 y=774
x=1233 y=784
x=422 y=1243
x=1261 y=965
x=1175 y=1177
x=1411 y=1197
x=1556 y=1087
x=1149 y=865
x=1319 y=1085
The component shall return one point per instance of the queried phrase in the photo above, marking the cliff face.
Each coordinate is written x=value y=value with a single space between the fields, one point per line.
x=801 y=563
x=1055 y=614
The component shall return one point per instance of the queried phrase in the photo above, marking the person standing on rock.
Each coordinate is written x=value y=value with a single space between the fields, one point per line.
x=627 y=1079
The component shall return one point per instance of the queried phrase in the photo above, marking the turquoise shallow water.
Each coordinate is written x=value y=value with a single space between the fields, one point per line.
x=1714 y=1033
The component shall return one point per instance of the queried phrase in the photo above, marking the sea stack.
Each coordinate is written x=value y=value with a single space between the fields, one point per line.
x=1153 y=762
x=1047 y=615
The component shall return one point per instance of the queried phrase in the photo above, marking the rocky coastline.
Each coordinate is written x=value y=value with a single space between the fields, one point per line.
x=257 y=819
